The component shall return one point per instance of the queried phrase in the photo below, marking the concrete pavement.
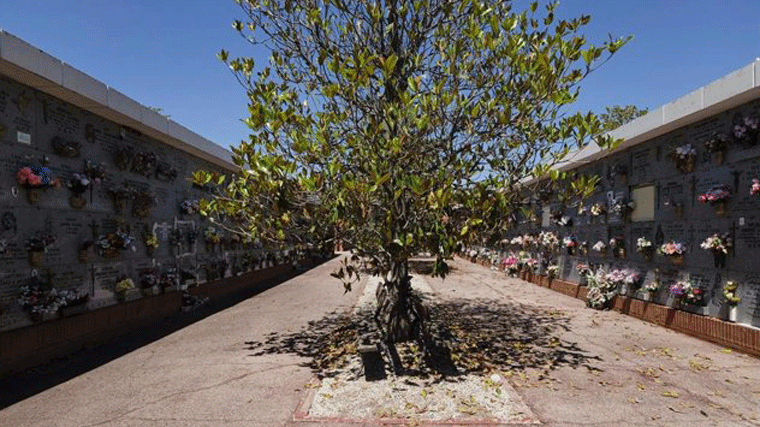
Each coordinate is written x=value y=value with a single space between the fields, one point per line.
x=632 y=373
x=201 y=375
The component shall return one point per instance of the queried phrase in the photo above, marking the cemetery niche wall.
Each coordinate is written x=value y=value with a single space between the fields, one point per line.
x=675 y=219
x=93 y=213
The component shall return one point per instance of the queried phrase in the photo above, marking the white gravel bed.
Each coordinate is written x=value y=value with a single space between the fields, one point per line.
x=349 y=396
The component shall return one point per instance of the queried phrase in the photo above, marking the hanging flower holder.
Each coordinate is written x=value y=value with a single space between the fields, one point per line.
x=683 y=156
x=36 y=258
x=62 y=148
x=746 y=131
x=83 y=255
x=718 y=157
x=720 y=208
x=34 y=195
x=76 y=201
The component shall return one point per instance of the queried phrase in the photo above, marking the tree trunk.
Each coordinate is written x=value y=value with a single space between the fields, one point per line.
x=400 y=314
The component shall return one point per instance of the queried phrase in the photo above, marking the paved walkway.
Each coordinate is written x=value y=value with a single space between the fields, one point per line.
x=626 y=372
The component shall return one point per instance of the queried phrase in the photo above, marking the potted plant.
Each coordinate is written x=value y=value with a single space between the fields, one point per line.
x=123 y=286
x=717 y=145
x=552 y=270
x=36 y=179
x=730 y=300
x=650 y=289
x=683 y=291
x=683 y=156
x=616 y=279
x=36 y=247
x=583 y=271
x=600 y=247
x=645 y=248
x=510 y=265
x=600 y=291
x=617 y=245
x=632 y=279
x=674 y=251
x=718 y=197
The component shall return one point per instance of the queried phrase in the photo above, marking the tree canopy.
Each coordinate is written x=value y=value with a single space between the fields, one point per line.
x=618 y=115
x=401 y=126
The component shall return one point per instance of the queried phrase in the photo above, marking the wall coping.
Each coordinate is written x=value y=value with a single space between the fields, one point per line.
x=33 y=67
x=729 y=91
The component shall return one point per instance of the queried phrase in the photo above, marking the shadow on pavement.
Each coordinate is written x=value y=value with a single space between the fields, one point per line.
x=18 y=386
x=483 y=336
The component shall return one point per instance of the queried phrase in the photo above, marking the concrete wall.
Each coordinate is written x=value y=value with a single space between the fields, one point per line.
x=644 y=158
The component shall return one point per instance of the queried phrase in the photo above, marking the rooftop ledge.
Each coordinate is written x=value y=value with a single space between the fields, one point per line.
x=729 y=91
x=31 y=66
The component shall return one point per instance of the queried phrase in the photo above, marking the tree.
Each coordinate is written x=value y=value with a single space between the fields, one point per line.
x=617 y=115
x=410 y=124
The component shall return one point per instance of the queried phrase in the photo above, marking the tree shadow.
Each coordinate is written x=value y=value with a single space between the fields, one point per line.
x=480 y=336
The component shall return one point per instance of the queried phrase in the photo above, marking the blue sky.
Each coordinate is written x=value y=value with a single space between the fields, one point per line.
x=162 y=52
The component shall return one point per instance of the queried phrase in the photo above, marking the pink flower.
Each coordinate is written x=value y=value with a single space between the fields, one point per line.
x=35 y=180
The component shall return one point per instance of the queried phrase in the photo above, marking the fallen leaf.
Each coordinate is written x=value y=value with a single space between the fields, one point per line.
x=670 y=393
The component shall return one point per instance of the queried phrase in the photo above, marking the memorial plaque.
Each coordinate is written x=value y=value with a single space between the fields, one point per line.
x=641 y=165
x=749 y=292
x=106 y=275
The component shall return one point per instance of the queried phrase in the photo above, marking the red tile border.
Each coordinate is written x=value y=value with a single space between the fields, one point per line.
x=727 y=334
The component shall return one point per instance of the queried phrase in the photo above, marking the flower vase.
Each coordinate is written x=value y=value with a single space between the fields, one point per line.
x=623 y=289
x=718 y=157
x=678 y=211
x=36 y=258
x=619 y=252
x=150 y=250
x=720 y=259
x=33 y=195
x=76 y=201
x=676 y=259
x=673 y=302
x=120 y=296
x=686 y=166
x=720 y=208
x=733 y=311
x=570 y=251
x=647 y=296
